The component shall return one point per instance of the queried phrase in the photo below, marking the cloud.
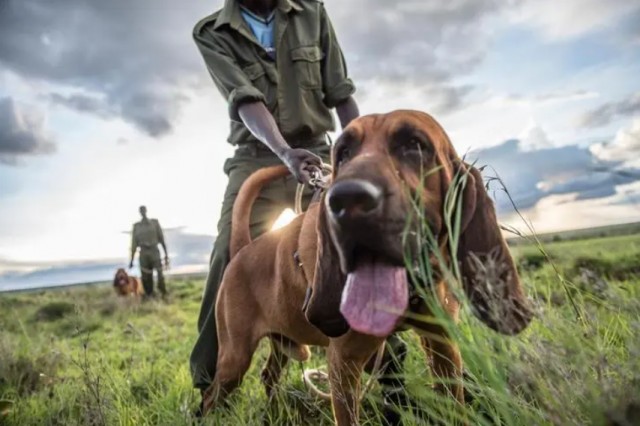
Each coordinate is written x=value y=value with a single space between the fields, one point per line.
x=84 y=104
x=431 y=46
x=501 y=100
x=607 y=112
x=413 y=45
x=445 y=99
x=21 y=133
x=405 y=39
x=563 y=212
x=493 y=99
x=571 y=18
x=139 y=59
x=187 y=248
x=534 y=137
x=563 y=96
x=625 y=147
x=632 y=29
x=142 y=65
x=532 y=175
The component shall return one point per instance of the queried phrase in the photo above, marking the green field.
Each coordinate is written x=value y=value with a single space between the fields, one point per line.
x=82 y=356
x=583 y=234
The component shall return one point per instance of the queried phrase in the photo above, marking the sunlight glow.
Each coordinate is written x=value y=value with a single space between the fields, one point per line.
x=284 y=219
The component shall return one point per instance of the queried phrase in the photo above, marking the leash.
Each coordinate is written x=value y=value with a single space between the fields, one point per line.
x=308 y=376
x=319 y=181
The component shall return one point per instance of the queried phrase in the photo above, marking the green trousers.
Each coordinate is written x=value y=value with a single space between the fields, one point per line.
x=273 y=199
x=149 y=260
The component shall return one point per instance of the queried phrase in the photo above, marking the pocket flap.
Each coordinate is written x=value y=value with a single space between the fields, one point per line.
x=306 y=53
x=254 y=71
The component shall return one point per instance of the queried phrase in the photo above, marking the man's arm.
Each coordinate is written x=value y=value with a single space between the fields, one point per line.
x=134 y=246
x=262 y=125
x=347 y=111
x=234 y=85
x=246 y=104
x=161 y=241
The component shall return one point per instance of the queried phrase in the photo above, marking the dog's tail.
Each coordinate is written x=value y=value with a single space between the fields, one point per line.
x=241 y=216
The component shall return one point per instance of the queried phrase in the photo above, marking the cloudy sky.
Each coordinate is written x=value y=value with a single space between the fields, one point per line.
x=105 y=105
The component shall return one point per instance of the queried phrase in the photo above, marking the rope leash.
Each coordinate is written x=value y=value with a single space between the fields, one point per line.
x=308 y=376
x=319 y=181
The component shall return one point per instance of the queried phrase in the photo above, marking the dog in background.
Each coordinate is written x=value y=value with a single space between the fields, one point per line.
x=126 y=285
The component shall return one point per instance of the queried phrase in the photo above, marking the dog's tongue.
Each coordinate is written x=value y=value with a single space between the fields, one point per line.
x=375 y=296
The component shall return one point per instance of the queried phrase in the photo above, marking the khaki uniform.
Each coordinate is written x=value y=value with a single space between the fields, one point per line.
x=300 y=87
x=146 y=235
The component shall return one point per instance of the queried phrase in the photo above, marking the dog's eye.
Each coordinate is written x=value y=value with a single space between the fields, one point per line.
x=412 y=146
x=343 y=155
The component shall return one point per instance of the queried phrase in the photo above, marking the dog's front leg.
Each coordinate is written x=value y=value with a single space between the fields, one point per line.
x=347 y=357
x=446 y=365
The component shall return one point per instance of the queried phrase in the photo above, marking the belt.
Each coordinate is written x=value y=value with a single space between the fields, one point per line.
x=255 y=146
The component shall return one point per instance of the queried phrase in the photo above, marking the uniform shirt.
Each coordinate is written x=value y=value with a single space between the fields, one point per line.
x=147 y=234
x=306 y=80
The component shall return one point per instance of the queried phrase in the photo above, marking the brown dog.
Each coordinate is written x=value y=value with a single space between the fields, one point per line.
x=126 y=285
x=351 y=251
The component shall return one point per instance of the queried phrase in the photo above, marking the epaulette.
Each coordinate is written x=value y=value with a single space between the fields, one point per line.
x=207 y=20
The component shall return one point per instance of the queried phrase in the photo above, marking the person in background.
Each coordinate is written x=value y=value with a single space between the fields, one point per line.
x=146 y=235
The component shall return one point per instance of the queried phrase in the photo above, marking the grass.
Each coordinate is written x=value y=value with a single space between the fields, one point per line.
x=83 y=356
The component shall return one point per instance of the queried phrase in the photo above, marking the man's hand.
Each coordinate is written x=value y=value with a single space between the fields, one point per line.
x=131 y=265
x=257 y=118
x=166 y=262
x=301 y=163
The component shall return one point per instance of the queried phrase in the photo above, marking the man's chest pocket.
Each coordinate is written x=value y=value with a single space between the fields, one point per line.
x=306 y=61
x=257 y=75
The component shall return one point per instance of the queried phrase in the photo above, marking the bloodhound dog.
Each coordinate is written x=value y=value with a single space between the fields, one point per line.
x=338 y=275
x=126 y=285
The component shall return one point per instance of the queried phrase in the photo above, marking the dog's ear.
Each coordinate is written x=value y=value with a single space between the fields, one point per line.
x=489 y=276
x=116 y=278
x=322 y=305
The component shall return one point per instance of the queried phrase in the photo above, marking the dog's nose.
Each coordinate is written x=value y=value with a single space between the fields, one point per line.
x=353 y=198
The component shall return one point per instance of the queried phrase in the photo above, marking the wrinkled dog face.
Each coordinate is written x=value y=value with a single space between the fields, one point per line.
x=382 y=164
x=122 y=278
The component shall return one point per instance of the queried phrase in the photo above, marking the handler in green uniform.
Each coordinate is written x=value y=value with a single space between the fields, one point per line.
x=146 y=235
x=280 y=68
